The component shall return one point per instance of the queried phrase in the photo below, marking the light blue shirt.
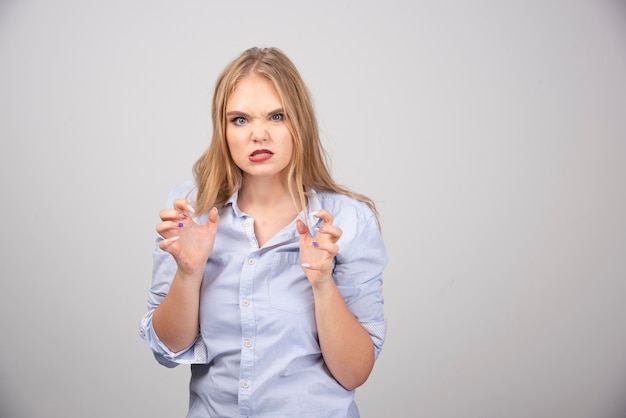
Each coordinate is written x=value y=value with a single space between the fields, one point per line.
x=257 y=353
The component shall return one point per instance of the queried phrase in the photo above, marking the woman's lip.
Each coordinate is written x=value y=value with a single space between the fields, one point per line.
x=261 y=155
x=261 y=151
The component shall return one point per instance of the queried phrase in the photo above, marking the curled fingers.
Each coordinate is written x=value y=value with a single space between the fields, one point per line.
x=172 y=220
x=326 y=227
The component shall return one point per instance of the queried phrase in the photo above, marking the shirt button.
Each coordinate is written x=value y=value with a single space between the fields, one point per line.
x=245 y=302
x=251 y=261
x=246 y=224
x=245 y=384
x=248 y=343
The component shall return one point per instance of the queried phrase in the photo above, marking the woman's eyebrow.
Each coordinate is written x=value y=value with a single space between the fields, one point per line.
x=275 y=111
x=244 y=114
x=237 y=113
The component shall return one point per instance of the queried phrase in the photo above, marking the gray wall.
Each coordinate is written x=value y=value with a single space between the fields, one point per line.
x=492 y=135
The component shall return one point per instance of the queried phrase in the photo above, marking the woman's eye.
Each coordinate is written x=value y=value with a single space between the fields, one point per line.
x=239 y=120
x=277 y=117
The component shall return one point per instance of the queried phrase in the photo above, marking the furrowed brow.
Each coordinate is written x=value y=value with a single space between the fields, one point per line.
x=237 y=113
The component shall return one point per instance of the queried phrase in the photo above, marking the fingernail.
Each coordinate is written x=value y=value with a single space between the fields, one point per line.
x=191 y=209
x=174 y=238
x=315 y=213
x=305 y=265
x=180 y=224
x=316 y=244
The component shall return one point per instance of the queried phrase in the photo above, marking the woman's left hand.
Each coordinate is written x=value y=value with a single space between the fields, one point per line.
x=317 y=252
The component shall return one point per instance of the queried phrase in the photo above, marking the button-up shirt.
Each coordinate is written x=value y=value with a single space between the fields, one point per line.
x=257 y=353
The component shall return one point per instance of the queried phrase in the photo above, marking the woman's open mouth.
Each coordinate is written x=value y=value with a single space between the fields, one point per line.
x=261 y=155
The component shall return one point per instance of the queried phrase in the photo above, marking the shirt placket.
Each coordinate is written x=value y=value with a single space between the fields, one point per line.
x=248 y=323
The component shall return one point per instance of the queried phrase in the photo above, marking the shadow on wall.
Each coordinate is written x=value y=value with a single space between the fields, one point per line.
x=7 y=406
x=14 y=404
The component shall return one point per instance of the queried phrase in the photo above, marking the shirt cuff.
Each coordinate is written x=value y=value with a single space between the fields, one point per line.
x=377 y=331
x=196 y=353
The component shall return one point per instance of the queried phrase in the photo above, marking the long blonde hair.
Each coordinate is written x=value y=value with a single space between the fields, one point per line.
x=216 y=174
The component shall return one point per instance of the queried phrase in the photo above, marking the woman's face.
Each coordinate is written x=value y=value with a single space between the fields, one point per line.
x=256 y=130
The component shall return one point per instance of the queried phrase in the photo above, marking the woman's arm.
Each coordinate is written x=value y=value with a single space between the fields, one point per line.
x=176 y=319
x=347 y=347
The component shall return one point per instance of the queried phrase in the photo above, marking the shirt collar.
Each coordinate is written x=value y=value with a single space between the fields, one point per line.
x=314 y=204
x=232 y=200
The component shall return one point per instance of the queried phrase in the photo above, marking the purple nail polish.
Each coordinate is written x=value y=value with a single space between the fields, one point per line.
x=180 y=224
x=316 y=244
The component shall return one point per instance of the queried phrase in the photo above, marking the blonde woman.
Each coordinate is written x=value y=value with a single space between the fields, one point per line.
x=267 y=274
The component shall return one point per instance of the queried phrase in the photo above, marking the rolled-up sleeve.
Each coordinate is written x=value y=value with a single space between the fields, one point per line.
x=163 y=271
x=359 y=270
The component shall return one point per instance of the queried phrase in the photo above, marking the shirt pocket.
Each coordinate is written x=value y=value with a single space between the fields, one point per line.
x=289 y=288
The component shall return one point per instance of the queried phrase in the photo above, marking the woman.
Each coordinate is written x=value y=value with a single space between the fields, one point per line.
x=267 y=274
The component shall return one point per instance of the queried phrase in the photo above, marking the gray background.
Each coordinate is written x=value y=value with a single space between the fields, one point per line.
x=492 y=135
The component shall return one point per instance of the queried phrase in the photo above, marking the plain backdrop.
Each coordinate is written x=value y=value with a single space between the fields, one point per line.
x=491 y=134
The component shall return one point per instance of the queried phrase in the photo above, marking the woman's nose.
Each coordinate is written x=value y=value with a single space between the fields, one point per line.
x=259 y=132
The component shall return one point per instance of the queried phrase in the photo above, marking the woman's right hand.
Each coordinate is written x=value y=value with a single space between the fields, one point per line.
x=189 y=243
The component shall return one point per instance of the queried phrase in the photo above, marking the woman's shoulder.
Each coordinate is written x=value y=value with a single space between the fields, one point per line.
x=339 y=203
x=357 y=221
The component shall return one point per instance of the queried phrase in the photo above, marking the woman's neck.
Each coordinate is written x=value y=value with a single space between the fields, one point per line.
x=263 y=195
x=270 y=204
